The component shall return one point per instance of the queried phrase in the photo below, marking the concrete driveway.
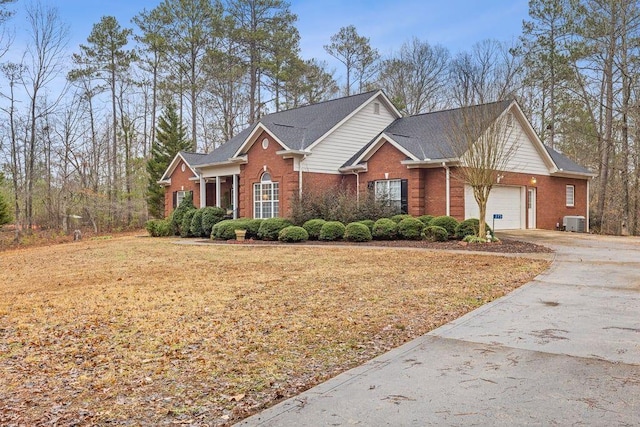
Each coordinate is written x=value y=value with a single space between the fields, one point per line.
x=561 y=350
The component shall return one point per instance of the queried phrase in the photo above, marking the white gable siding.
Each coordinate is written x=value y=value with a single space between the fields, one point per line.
x=338 y=147
x=526 y=158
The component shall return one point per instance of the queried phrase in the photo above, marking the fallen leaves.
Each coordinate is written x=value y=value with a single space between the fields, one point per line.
x=208 y=335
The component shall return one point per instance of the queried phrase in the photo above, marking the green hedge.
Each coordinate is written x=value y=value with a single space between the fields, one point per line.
x=399 y=217
x=270 y=228
x=293 y=234
x=369 y=223
x=410 y=228
x=313 y=227
x=159 y=227
x=211 y=215
x=178 y=215
x=332 y=230
x=196 y=224
x=225 y=230
x=185 y=225
x=253 y=226
x=357 y=232
x=426 y=219
x=449 y=223
x=434 y=233
x=469 y=227
x=385 y=229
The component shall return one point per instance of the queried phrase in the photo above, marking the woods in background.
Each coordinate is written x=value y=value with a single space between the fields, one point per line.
x=86 y=133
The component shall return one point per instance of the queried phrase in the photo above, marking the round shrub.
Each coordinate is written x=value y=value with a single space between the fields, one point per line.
x=434 y=233
x=226 y=230
x=426 y=219
x=410 y=228
x=253 y=225
x=369 y=223
x=469 y=227
x=332 y=230
x=211 y=215
x=178 y=214
x=196 y=224
x=269 y=228
x=293 y=234
x=449 y=223
x=158 y=227
x=313 y=227
x=385 y=229
x=185 y=225
x=399 y=217
x=473 y=239
x=357 y=232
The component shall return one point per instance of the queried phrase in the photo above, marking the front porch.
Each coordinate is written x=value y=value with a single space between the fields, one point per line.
x=222 y=192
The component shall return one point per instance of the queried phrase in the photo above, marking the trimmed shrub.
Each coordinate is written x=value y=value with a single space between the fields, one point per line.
x=178 y=215
x=185 y=225
x=470 y=238
x=385 y=229
x=226 y=230
x=158 y=227
x=211 y=215
x=313 y=227
x=253 y=225
x=399 y=217
x=410 y=228
x=269 y=228
x=469 y=227
x=293 y=234
x=426 y=219
x=196 y=224
x=369 y=223
x=332 y=230
x=449 y=223
x=357 y=232
x=434 y=233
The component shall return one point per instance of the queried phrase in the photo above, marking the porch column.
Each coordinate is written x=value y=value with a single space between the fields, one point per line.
x=218 y=191
x=203 y=192
x=235 y=196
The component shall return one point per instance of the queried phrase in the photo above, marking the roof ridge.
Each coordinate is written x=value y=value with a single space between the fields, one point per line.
x=321 y=102
x=458 y=108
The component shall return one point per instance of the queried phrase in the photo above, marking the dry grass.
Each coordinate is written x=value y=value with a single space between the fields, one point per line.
x=141 y=331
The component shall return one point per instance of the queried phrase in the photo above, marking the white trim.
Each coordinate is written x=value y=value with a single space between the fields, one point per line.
x=588 y=202
x=377 y=144
x=203 y=192
x=173 y=165
x=235 y=196
x=573 y=195
x=386 y=101
x=252 y=138
x=533 y=136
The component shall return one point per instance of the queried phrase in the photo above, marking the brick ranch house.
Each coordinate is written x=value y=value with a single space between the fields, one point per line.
x=362 y=141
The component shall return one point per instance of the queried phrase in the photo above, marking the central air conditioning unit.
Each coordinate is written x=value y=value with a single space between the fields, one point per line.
x=574 y=223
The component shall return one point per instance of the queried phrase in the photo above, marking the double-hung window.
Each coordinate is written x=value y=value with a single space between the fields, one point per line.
x=393 y=192
x=570 y=198
x=266 y=198
x=178 y=197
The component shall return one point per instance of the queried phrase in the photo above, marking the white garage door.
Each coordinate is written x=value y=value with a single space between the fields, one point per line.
x=507 y=201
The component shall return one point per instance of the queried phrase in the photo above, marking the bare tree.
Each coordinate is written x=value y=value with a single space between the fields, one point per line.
x=44 y=61
x=480 y=136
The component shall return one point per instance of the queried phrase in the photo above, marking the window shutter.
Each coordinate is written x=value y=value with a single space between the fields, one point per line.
x=175 y=199
x=404 y=196
x=370 y=185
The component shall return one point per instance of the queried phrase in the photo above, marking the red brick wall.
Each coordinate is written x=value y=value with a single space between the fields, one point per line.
x=281 y=171
x=387 y=161
x=551 y=197
x=180 y=182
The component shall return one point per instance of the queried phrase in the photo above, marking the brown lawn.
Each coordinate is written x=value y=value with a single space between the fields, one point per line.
x=141 y=331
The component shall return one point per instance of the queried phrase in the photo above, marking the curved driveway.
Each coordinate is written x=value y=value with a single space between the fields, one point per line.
x=563 y=349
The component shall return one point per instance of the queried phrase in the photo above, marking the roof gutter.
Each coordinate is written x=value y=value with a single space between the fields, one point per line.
x=362 y=167
x=430 y=163
x=231 y=161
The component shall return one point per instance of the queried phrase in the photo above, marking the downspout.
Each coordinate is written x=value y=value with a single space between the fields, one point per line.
x=588 y=202
x=357 y=174
x=447 y=189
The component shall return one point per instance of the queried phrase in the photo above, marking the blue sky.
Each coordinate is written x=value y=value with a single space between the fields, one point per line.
x=456 y=24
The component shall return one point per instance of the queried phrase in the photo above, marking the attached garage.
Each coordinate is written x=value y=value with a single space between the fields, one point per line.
x=503 y=200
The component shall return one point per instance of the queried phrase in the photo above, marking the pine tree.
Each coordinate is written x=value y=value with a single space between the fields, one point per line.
x=170 y=140
x=5 y=211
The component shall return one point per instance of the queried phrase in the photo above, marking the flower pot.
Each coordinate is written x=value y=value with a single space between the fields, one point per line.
x=240 y=235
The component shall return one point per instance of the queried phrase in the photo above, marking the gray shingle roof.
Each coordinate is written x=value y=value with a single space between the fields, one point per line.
x=427 y=136
x=566 y=164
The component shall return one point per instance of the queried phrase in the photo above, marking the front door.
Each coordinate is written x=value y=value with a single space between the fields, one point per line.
x=531 y=208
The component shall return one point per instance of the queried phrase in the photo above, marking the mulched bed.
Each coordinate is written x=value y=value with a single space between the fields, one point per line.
x=504 y=246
